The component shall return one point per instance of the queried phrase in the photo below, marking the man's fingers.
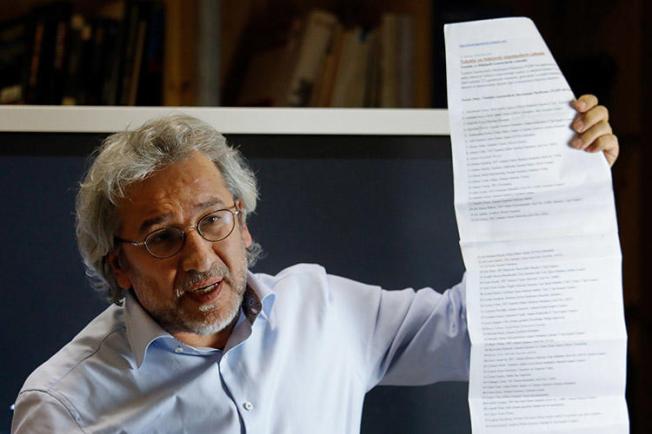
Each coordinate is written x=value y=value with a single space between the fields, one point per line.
x=586 y=120
x=607 y=144
x=585 y=102
x=586 y=139
x=593 y=130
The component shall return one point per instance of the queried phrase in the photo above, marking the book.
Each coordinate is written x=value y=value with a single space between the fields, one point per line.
x=323 y=89
x=49 y=26
x=56 y=81
x=131 y=49
x=13 y=51
x=76 y=76
x=150 y=83
x=180 y=53
x=265 y=81
x=405 y=62
x=208 y=52
x=316 y=39
x=372 y=82
x=111 y=18
x=388 y=80
x=352 y=70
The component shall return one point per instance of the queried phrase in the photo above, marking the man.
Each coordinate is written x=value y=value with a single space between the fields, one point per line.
x=194 y=341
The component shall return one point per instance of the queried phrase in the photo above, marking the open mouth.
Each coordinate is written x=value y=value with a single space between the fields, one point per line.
x=206 y=294
x=205 y=289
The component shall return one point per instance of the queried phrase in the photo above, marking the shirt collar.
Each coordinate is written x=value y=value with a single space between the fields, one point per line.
x=142 y=330
x=265 y=295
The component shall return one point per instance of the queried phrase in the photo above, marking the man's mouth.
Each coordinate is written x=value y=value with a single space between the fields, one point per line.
x=204 y=294
x=200 y=291
x=205 y=289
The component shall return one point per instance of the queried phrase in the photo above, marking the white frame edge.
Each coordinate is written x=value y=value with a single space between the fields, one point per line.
x=229 y=120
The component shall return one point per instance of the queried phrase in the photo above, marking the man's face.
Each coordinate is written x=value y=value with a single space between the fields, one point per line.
x=198 y=290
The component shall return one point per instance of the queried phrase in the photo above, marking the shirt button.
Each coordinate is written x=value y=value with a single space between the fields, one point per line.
x=178 y=350
x=248 y=405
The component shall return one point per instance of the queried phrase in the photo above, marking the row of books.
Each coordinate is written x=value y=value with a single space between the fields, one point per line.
x=321 y=63
x=56 y=55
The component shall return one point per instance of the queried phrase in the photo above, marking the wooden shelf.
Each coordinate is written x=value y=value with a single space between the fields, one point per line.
x=233 y=120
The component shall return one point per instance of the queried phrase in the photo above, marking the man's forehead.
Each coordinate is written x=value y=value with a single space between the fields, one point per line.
x=194 y=172
x=185 y=187
x=163 y=217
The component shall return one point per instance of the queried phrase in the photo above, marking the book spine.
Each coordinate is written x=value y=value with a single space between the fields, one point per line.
x=150 y=86
x=321 y=96
x=129 y=48
x=13 y=50
x=208 y=50
x=57 y=80
x=405 y=61
x=114 y=59
x=316 y=38
x=388 y=68
x=350 y=80
x=73 y=73
x=180 y=67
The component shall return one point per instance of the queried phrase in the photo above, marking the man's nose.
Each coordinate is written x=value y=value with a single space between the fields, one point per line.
x=197 y=253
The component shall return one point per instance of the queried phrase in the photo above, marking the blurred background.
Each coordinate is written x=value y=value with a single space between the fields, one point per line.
x=353 y=53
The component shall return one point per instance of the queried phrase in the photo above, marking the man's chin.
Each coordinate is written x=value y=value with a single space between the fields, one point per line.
x=206 y=329
x=209 y=322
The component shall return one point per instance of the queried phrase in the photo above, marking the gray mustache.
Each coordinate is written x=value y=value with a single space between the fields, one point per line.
x=193 y=277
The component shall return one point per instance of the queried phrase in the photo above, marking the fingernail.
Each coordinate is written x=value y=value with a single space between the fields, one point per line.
x=579 y=126
x=576 y=143
x=581 y=105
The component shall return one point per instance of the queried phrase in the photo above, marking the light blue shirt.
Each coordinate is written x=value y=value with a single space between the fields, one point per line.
x=301 y=365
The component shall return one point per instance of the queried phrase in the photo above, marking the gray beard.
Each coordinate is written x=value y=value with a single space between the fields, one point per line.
x=216 y=327
x=173 y=320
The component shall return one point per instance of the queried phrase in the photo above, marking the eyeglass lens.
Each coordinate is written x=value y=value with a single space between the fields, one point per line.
x=212 y=227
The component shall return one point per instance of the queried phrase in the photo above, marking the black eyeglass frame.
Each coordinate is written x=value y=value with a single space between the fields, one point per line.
x=236 y=214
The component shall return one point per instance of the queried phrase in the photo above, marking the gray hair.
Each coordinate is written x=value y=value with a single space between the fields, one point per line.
x=131 y=156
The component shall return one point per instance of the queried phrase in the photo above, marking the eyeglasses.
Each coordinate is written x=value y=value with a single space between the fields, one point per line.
x=167 y=242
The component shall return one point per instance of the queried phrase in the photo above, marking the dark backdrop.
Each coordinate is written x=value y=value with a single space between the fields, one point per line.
x=375 y=209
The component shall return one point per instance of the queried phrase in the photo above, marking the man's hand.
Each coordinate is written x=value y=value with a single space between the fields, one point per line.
x=593 y=130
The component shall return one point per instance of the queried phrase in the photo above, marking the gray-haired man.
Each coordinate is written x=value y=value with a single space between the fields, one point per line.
x=197 y=343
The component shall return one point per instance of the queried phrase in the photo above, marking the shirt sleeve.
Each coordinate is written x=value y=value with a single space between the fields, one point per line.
x=39 y=412
x=409 y=337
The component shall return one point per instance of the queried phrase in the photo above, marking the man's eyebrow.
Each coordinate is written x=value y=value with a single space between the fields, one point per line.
x=209 y=203
x=145 y=225
x=148 y=223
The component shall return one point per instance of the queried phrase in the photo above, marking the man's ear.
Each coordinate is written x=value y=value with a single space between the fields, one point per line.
x=246 y=235
x=244 y=230
x=116 y=263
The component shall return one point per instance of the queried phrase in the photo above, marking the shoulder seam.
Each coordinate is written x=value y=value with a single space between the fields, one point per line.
x=86 y=357
x=72 y=411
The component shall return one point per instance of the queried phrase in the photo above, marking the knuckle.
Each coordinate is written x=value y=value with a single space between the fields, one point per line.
x=588 y=137
x=602 y=142
x=596 y=114
x=604 y=126
x=589 y=99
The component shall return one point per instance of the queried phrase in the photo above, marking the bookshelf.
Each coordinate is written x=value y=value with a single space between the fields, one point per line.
x=207 y=48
